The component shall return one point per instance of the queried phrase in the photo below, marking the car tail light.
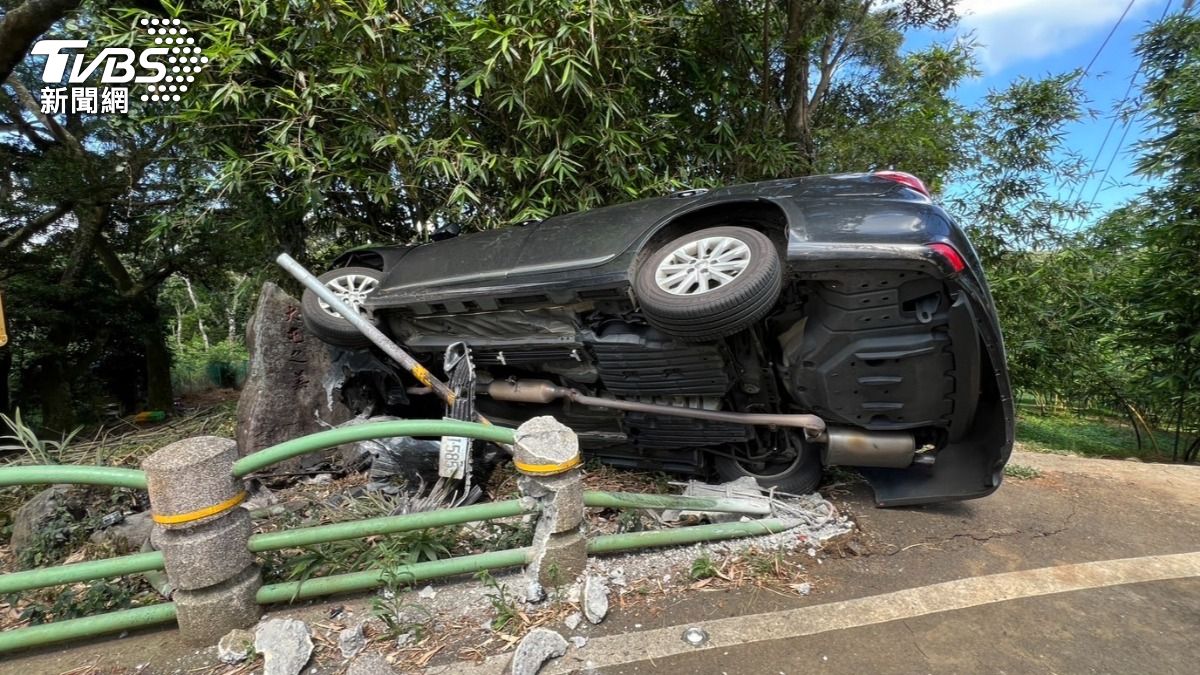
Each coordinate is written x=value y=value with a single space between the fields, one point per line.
x=904 y=179
x=949 y=255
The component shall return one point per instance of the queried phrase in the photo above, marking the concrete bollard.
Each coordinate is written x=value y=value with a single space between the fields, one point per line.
x=546 y=453
x=203 y=536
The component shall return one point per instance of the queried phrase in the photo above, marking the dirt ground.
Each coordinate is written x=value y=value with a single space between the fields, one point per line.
x=1076 y=511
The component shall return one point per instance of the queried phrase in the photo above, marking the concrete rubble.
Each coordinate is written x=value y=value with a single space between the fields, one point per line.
x=351 y=641
x=536 y=648
x=595 y=598
x=285 y=644
x=235 y=646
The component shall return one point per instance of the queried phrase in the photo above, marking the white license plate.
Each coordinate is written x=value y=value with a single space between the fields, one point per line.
x=453 y=458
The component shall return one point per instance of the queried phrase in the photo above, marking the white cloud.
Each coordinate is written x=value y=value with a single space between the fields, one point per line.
x=1012 y=31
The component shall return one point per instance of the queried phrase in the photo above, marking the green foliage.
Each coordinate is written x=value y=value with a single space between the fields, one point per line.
x=198 y=367
x=703 y=568
x=37 y=450
x=87 y=599
x=502 y=603
x=1021 y=471
x=1073 y=433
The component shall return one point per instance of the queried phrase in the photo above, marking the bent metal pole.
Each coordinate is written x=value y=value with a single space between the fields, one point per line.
x=368 y=330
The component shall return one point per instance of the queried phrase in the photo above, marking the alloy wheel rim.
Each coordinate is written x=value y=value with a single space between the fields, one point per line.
x=351 y=289
x=703 y=265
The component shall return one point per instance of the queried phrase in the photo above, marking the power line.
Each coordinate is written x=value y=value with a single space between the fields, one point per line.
x=1108 y=37
x=1128 y=121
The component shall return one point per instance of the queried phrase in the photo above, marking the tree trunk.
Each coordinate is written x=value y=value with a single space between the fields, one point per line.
x=199 y=316
x=159 y=395
x=58 y=412
x=5 y=370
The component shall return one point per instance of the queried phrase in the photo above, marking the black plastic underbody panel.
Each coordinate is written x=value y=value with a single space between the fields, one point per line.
x=875 y=352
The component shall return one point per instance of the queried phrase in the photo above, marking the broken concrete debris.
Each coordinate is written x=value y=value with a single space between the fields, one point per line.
x=573 y=620
x=285 y=644
x=351 y=641
x=536 y=648
x=595 y=598
x=235 y=646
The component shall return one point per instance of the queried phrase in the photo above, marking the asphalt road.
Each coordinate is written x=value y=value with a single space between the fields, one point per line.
x=1006 y=584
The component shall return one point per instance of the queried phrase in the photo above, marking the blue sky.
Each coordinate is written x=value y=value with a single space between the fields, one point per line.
x=1034 y=38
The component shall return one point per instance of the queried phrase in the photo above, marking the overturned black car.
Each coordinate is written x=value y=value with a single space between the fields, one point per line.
x=688 y=333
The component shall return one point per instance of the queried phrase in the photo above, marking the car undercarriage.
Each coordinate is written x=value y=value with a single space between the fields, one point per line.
x=729 y=344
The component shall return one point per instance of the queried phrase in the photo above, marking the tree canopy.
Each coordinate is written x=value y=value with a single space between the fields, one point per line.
x=127 y=241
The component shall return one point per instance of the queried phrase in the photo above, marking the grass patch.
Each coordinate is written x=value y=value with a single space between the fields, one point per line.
x=1021 y=471
x=1089 y=436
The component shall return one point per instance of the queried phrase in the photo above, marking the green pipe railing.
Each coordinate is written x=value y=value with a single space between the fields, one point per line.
x=85 y=571
x=86 y=627
x=356 y=529
x=52 y=474
x=332 y=438
x=352 y=582
x=629 y=541
x=33 y=636
x=152 y=561
x=634 y=500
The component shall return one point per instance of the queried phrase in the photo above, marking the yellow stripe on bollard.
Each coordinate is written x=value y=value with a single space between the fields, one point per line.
x=547 y=469
x=200 y=513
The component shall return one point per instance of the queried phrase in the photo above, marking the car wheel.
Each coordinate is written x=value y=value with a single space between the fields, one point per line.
x=352 y=285
x=710 y=283
x=799 y=475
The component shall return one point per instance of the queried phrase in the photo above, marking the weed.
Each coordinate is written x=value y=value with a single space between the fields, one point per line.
x=502 y=603
x=703 y=568
x=630 y=521
x=24 y=438
x=1021 y=471
x=398 y=616
x=764 y=563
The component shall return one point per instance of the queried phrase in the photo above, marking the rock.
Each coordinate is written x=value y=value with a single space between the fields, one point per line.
x=537 y=647
x=127 y=535
x=292 y=386
x=573 y=620
x=236 y=646
x=595 y=598
x=427 y=593
x=803 y=588
x=370 y=664
x=33 y=518
x=579 y=641
x=351 y=641
x=285 y=645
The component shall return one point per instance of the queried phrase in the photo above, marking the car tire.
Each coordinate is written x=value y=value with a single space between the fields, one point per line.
x=801 y=476
x=351 y=284
x=734 y=284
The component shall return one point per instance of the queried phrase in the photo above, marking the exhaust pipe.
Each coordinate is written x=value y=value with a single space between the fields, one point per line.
x=854 y=447
x=544 y=391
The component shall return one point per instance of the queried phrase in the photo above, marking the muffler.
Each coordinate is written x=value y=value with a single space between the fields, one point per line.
x=854 y=447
